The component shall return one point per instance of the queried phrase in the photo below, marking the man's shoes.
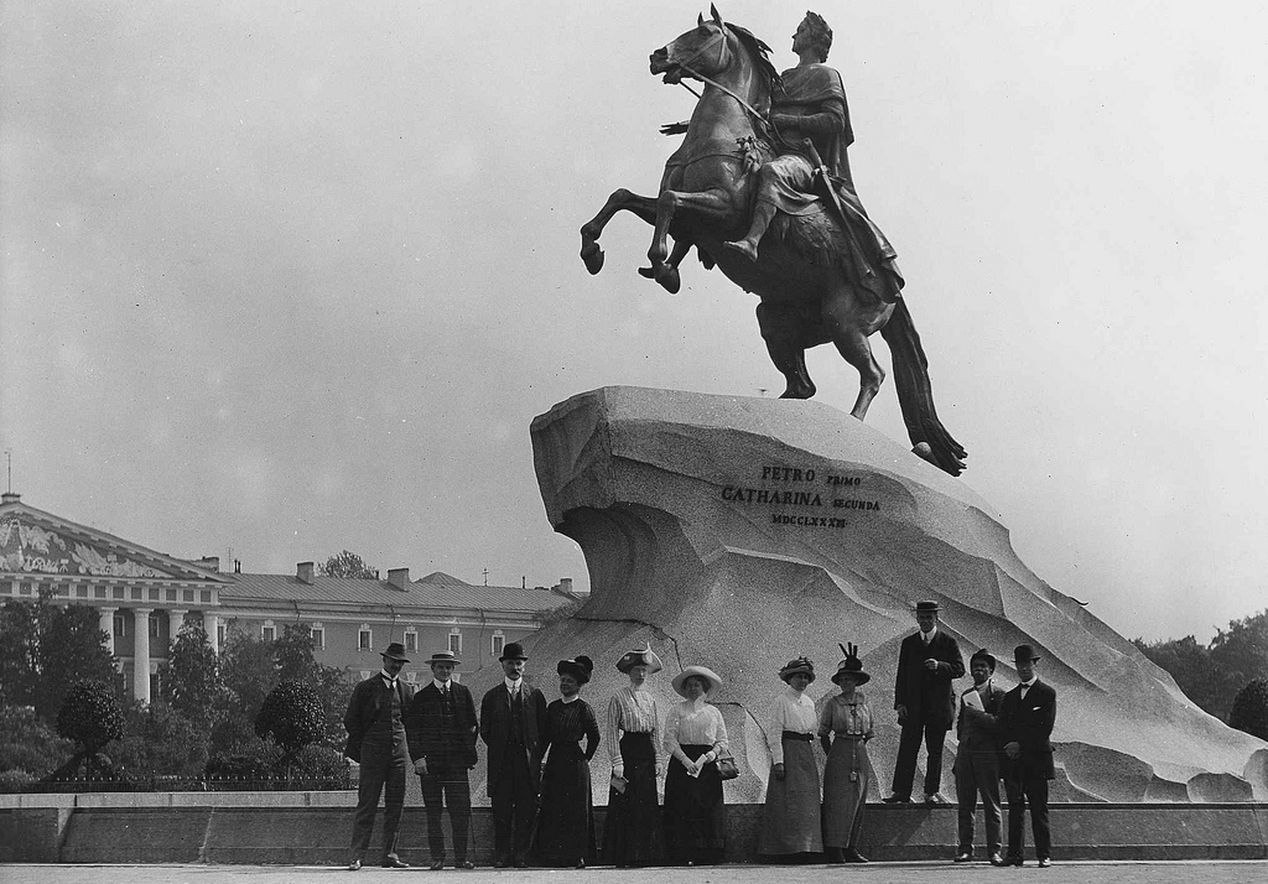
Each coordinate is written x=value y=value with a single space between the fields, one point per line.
x=464 y=864
x=437 y=865
x=354 y=866
x=834 y=855
x=853 y=856
x=501 y=862
x=1045 y=862
x=964 y=856
x=1014 y=861
x=896 y=799
x=393 y=862
x=581 y=863
x=936 y=798
x=997 y=860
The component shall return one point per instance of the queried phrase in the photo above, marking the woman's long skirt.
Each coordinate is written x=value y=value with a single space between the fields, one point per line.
x=790 y=820
x=633 y=816
x=565 y=825
x=845 y=781
x=695 y=814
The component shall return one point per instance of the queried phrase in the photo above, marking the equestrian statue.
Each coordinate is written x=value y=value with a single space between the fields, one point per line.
x=761 y=186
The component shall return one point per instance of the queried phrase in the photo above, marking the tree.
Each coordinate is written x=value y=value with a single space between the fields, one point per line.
x=1241 y=652
x=296 y=661
x=191 y=680
x=27 y=743
x=160 y=741
x=91 y=716
x=292 y=715
x=18 y=645
x=348 y=564
x=1250 y=709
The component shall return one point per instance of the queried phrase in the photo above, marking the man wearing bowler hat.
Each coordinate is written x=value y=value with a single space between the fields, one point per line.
x=925 y=702
x=512 y=720
x=376 y=738
x=441 y=726
x=1026 y=717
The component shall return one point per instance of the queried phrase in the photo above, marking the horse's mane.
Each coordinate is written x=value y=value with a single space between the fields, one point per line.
x=760 y=52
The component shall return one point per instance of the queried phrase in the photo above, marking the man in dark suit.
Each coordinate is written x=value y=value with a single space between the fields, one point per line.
x=376 y=738
x=1026 y=718
x=441 y=726
x=977 y=758
x=512 y=721
x=927 y=662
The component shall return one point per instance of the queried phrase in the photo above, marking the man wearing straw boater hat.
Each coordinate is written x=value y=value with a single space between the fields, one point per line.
x=441 y=726
x=376 y=738
x=512 y=721
x=1026 y=717
x=927 y=662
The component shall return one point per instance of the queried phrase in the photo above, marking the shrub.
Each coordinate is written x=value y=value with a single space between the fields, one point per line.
x=27 y=744
x=322 y=767
x=292 y=714
x=1250 y=709
x=16 y=781
x=160 y=741
x=91 y=716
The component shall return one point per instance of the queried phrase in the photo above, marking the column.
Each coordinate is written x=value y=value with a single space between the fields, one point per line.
x=211 y=625
x=106 y=623
x=174 y=621
x=141 y=654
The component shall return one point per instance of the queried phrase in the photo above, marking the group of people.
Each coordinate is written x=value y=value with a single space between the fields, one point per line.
x=539 y=762
x=539 y=757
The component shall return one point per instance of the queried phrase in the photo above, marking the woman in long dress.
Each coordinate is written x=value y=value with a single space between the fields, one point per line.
x=791 y=825
x=695 y=738
x=629 y=834
x=565 y=824
x=845 y=726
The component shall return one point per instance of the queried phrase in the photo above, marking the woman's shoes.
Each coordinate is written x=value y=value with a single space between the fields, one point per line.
x=853 y=856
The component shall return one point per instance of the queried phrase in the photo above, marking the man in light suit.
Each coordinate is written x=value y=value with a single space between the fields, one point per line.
x=441 y=726
x=925 y=701
x=376 y=738
x=977 y=758
x=1026 y=719
x=512 y=722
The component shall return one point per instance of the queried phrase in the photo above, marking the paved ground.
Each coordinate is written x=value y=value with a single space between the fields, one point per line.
x=1229 y=872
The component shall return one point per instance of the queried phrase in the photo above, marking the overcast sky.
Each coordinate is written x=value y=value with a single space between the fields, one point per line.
x=290 y=278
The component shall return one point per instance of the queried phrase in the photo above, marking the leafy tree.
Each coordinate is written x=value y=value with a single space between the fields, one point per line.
x=296 y=661
x=19 y=643
x=1241 y=651
x=248 y=669
x=91 y=716
x=348 y=564
x=191 y=680
x=292 y=715
x=27 y=743
x=159 y=741
x=1250 y=709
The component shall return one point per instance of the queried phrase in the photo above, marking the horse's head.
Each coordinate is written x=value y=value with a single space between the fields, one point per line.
x=702 y=50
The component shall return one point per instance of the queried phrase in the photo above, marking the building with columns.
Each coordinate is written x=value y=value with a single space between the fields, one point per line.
x=143 y=597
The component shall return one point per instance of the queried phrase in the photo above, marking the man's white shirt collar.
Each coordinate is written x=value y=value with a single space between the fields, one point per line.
x=927 y=637
x=442 y=686
x=390 y=679
x=513 y=686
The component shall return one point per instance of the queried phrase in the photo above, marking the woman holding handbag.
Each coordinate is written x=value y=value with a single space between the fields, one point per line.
x=695 y=738
x=845 y=726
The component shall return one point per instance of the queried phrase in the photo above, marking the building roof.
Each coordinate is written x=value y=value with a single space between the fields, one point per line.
x=434 y=591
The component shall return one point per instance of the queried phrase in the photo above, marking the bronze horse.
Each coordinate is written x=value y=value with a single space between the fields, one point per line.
x=705 y=199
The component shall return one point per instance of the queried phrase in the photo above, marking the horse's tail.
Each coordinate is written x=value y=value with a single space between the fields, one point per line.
x=915 y=395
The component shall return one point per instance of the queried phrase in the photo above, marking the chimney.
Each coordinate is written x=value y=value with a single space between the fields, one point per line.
x=211 y=563
x=565 y=585
x=237 y=566
x=398 y=577
x=304 y=572
x=10 y=497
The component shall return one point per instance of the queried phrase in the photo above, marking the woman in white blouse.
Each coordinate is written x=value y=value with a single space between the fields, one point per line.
x=633 y=737
x=845 y=726
x=791 y=827
x=695 y=737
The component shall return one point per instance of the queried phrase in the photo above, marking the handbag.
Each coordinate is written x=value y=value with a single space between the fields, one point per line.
x=727 y=768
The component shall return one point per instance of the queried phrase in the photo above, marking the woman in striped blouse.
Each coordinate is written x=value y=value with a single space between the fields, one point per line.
x=695 y=738
x=633 y=734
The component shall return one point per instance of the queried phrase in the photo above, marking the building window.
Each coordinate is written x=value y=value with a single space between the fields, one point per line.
x=220 y=635
x=411 y=639
x=455 y=641
x=81 y=591
x=365 y=638
x=154 y=595
x=318 y=634
x=268 y=631
x=171 y=595
x=120 y=624
x=154 y=626
x=411 y=677
x=499 y=642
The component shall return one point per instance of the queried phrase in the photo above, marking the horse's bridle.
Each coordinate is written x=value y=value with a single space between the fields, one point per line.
x=720 y=38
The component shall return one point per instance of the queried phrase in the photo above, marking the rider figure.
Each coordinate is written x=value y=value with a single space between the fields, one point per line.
x=811 y=104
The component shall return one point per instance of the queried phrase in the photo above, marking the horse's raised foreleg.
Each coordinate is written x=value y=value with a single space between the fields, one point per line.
x=707 y=205
x=621 y=199
x=668 y=276
x=782 y=331
x=848 y=329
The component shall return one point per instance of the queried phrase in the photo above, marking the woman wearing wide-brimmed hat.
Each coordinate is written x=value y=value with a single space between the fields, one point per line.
x=629 y=833
x=565 y=822
x=695 y=738
x=790 y=821
x=845 y=726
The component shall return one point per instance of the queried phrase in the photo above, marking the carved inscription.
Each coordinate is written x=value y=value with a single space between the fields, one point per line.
x=803 y=497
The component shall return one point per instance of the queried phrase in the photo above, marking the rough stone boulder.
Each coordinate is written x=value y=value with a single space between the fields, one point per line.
x=739 y=532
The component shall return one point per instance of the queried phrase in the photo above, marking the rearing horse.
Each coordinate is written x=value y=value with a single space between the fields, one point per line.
x=807 y=299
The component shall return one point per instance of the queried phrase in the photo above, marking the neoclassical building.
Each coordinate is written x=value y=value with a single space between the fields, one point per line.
x=142 y=598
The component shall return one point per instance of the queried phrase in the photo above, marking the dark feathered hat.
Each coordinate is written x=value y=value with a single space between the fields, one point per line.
x=579 y=667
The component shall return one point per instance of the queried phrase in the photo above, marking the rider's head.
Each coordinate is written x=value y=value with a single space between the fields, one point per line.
x=818 y=33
